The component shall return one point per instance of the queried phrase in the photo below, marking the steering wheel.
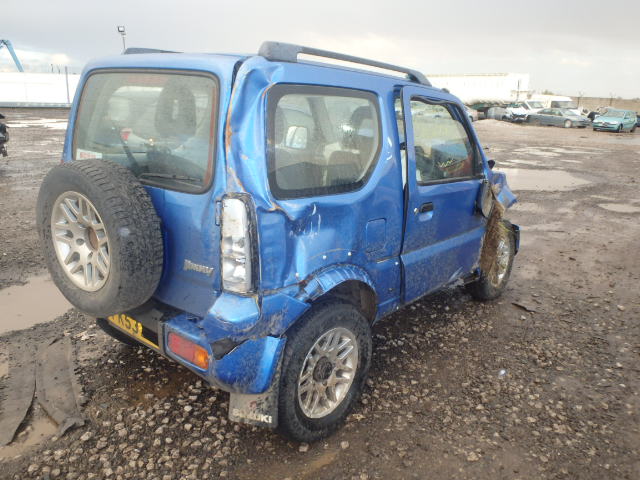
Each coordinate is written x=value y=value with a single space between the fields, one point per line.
x=133 y=163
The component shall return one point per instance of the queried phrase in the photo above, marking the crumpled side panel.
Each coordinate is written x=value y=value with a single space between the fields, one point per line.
x=503 y=193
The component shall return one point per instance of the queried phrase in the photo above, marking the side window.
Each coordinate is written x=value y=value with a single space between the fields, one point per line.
x=321 y=140
x=442 y=147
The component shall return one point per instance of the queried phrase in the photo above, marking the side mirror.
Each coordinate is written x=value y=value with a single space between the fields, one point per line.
x=484 y=202
x=297 y=137
x=491 y=163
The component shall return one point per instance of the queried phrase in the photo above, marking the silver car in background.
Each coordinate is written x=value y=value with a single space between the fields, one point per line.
x=558 y=117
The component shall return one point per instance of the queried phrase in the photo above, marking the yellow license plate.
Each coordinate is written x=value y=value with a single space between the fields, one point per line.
x=132 y=327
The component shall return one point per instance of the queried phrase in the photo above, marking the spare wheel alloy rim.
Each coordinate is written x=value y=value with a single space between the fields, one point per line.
x=81 y=241
x=327 y=372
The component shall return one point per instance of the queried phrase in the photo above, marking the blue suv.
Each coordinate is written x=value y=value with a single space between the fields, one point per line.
x=251 y=217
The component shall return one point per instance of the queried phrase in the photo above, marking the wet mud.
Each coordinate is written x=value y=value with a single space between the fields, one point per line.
x=541 y=383
x=37 y=301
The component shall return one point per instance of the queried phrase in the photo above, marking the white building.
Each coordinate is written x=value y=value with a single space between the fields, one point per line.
x=484 y=88
x=37 y=89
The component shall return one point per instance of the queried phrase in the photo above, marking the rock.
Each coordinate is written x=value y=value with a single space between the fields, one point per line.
x=344 y=445
x=621 y=308
x=473 y=457
x=303 y=448
x=86 y=437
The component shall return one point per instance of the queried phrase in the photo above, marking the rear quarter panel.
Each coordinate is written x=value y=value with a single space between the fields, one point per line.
x=301 y=237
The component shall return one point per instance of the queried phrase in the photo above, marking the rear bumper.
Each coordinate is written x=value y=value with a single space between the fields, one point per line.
x=249 y=367
x=242 y=335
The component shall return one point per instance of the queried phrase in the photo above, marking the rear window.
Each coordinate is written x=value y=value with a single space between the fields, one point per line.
x=321 y=140
x=159 y=125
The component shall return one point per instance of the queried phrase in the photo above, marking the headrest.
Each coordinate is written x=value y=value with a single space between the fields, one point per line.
x=176 y=111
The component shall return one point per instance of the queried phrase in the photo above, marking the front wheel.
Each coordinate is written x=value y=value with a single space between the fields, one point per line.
x=325 y=364
x=492 y=283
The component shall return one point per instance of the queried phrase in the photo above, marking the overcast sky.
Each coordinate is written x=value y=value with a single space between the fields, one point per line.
x=567 y=46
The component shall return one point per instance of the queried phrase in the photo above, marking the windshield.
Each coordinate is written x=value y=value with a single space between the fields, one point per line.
x=614 y=113
x=159 y=125
x=563 y=104
x=535 y=104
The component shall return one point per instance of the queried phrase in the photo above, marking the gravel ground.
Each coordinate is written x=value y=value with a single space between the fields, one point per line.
x=542 y=383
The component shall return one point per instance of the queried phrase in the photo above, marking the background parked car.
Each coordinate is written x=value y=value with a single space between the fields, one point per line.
x=637 y=119
x=616 y=121
x=558 y=117
x=519 y=111
x=599 y=111
x=496 y=113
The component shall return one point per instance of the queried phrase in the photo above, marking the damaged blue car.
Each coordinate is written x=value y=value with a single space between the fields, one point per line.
x=251 y=217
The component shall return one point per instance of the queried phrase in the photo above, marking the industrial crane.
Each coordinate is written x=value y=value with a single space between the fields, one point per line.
x=7 y=43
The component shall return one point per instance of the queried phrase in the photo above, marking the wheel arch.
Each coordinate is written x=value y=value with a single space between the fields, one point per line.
x=345 y=282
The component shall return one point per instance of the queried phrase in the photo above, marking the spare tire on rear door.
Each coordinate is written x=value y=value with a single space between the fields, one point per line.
x=101 y=236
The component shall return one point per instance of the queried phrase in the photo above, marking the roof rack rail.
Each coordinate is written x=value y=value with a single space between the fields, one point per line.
x=288 y=52
x=135 y=50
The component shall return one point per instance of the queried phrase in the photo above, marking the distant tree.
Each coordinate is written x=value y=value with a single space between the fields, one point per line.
x=547 y=92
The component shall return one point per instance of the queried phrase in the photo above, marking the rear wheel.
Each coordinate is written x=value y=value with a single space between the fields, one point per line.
x=325 y=364
x=568 y=124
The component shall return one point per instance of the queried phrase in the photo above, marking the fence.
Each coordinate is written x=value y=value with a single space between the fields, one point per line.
x=591 y=103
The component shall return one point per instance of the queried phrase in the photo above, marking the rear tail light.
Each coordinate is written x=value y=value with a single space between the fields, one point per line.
x=236 y=246
x=188 y=350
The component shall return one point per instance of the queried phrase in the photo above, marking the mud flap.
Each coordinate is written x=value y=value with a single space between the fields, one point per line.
x=57 y=387
x=260 y=409
x=19 y=390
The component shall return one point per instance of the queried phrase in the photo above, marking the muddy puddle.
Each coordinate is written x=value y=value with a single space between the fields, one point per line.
x=54 y=123
x=23 y=306
x=619 y=207
x=529 y=207
x=542 y=180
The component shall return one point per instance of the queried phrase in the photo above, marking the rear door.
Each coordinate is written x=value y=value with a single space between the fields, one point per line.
x=162 y=126
x=443 y=231
x=544 y=116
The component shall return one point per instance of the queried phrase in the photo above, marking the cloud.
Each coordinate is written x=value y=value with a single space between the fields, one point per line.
x=591 y=47
x=576 y=62
x=37 y=61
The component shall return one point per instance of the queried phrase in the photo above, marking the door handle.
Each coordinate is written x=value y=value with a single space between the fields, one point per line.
x=426 y=207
